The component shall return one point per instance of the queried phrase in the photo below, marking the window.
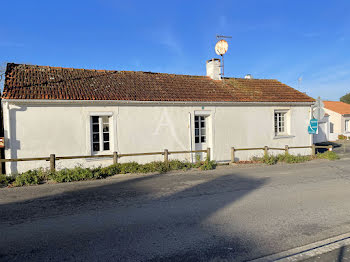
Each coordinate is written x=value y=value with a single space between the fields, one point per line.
x=280 y=123
x=199 y=129
x=346 y=125
x=100 y=133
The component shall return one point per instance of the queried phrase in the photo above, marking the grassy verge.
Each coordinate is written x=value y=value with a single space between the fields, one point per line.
x=37 y=176
x=290 y=159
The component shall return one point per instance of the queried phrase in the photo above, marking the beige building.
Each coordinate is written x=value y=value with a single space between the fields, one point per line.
x=339 y=118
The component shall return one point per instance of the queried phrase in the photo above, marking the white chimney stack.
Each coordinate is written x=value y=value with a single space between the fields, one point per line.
x=214 y=69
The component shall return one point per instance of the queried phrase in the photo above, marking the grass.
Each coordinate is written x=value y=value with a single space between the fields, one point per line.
x=79 y=173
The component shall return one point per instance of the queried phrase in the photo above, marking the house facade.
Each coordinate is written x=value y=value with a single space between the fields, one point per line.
x=70 y=112
x=339 y=117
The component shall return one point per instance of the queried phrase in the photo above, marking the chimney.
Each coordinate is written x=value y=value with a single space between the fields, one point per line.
x=214 y=69
x=248 y=76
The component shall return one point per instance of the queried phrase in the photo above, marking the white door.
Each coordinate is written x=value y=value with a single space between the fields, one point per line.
x=201 y=135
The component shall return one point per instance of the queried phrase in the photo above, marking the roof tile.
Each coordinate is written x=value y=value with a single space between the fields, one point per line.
x=43 y=82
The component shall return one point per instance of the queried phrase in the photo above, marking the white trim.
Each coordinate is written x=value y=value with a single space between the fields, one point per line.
x=126 y=102
x=101 y=113
x=202 y=112
x=283 y=136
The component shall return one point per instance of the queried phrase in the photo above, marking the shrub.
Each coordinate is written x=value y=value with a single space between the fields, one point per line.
x=296 y=159
x=330 y=155
x=177 y=165
x=106 y=171
x=130 y=167
x=208 y=165
x=74 y=174
x=283 y=158
x=342 y=137
x=79 y=173
x=6 y=180
x=31 y=177
x=269 y=159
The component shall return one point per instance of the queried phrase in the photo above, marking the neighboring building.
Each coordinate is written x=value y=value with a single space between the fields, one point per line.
x=67 y=112
x=339 y=118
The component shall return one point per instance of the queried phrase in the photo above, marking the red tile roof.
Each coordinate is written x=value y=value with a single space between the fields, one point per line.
x=338 y=107
x=44 y=82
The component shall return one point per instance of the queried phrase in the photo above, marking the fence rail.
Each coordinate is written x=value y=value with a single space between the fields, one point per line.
x=286 y=149
x=52 y=158
x=115 y=156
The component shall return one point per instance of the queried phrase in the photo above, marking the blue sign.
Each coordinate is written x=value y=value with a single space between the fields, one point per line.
x=313 y=126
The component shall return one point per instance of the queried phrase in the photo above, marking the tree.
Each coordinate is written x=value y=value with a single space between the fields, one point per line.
x=345 y=98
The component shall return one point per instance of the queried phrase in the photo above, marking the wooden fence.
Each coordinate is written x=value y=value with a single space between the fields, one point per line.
x=285 y=149
x=115 y=156
x=52 y=158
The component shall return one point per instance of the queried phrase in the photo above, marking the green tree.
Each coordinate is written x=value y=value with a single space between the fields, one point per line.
x=345 y=98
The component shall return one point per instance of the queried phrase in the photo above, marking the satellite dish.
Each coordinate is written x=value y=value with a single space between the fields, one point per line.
x=221 y=47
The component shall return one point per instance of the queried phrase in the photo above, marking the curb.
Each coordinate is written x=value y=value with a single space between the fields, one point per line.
x=308 y=251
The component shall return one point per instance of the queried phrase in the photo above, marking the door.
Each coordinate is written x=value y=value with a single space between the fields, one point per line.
x=201 y=135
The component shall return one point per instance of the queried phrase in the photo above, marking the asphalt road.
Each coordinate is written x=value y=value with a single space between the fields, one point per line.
x=228 y=214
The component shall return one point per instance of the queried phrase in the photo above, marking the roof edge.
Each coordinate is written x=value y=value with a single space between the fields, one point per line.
x=129 y=102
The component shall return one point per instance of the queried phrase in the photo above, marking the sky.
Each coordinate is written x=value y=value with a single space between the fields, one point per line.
x=274 y=39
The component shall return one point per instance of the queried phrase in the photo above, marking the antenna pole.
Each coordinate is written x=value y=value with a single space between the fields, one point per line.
x=223 y=67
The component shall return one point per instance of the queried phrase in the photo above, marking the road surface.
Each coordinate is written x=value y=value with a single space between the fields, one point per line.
x=228 y=214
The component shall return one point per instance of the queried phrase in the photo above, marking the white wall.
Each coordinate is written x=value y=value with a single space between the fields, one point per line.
x=64 y=130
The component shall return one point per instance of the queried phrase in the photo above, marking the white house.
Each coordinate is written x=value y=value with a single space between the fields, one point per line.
x=67 y=112
x=339 y=117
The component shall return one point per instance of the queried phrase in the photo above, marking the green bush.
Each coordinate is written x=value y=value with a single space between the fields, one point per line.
x=269 y=159
x=104 y=172
x=208 y=165
x=283 y=158
x=130 y=167
x=79 y=173
x=31 y=177
x=6 y=180
x=330 y=155
x=342 y=137
x=179 y=165
x=74 y=174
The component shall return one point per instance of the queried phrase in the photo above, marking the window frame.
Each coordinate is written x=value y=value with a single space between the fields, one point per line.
x=101 y=133
x=346 y=128
x=285 y=125
x=200 y=128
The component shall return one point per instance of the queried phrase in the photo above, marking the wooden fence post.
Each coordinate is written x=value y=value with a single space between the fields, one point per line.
x=266 y=148
x=286 y=149
x=313 y=149
x=52 y=163
x=232 y=155
x=115 y=158
x=166 y=156
x=208 y=153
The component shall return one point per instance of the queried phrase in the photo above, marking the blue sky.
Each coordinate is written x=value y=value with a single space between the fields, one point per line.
x=283 y=40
